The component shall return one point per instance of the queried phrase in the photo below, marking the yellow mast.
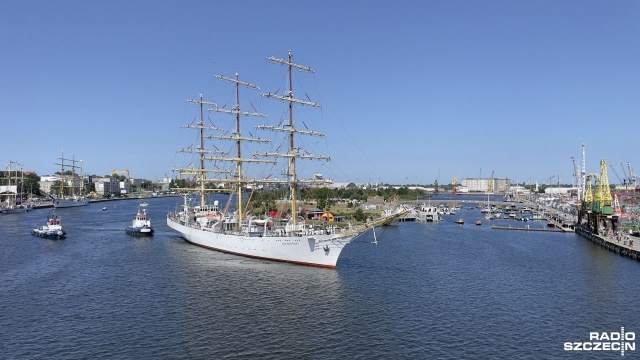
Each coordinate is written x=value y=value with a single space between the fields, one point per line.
x=237 y=137
x=292 y=154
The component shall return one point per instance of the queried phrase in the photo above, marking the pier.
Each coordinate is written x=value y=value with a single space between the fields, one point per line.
x=620 y=245
x=527 y=228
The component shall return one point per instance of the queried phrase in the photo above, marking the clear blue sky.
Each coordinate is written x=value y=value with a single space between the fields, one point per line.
x=408 y=88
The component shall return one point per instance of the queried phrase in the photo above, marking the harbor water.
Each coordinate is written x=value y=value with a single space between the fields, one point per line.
x=425 y=291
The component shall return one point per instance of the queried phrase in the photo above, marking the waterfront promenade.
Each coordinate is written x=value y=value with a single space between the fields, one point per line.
x=49 y=203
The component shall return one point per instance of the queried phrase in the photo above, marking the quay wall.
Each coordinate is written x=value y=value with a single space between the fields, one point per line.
x=624 y=248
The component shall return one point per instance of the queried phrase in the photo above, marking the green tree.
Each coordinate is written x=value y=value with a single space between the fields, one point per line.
x=322 y=196
x=358 y=215
x=32 y=185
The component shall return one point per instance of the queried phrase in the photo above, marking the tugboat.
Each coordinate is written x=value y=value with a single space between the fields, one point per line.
x=52 y=230
x=141 y=225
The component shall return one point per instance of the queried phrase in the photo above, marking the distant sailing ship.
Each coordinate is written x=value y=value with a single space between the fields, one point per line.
x=71 y=185
x=12 y=190
x=286 y=239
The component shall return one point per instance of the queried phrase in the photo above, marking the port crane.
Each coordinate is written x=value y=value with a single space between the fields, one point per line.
x=633 y=179
x=435 y=183
x=622 y=181
x=551 y=178
x=605 y=190
x=455 y=181
x=598 y=205
x=576 y=177
x=490 y=187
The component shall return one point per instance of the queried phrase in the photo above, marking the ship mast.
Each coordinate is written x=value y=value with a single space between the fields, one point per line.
x=201 y=172
x=237 y=137
x=73 y=167
x=291 y=130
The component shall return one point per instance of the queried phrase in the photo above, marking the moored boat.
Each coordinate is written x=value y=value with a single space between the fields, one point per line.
x=428 y=213
x=52 y=229
x=460 y=221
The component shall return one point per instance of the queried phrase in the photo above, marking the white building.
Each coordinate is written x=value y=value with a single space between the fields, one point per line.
x=560 y=190
x=106 y=186
x=483 y=185
x=47 y=181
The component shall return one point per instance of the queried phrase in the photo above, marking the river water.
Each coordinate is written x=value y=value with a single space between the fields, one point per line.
x=441 y=291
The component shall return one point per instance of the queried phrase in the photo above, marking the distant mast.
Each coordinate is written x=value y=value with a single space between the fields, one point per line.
x=73 y=167
x=290 y=128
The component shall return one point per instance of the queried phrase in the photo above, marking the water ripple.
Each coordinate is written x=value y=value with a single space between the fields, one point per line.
x=425 y=291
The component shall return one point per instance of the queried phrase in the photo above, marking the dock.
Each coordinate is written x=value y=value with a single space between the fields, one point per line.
x=527 y=228
x=624 y=246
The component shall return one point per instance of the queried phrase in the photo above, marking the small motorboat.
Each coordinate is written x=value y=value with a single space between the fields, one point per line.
x=460 y=221
x=104 y=208
x=478 y=222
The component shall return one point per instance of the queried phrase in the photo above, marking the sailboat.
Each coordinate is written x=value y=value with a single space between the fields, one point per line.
x=73 y=182
x=269 y=237
x=488 y=214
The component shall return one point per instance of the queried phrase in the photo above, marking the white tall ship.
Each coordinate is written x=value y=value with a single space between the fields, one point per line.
x=71 y=192
x=287 y=239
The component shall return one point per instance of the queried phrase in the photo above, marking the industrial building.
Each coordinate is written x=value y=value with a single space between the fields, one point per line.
x=486 y=185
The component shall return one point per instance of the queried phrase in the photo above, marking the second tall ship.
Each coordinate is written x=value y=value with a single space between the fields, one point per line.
x=272 y=237
x=71 y=191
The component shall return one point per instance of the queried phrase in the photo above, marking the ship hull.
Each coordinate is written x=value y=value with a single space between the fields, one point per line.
x=137 y=231
x=311 y=250
x=49 y=234
x=64 y=203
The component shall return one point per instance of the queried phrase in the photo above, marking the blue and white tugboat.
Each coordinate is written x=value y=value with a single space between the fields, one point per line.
x=141 y=225
x=52 y=230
